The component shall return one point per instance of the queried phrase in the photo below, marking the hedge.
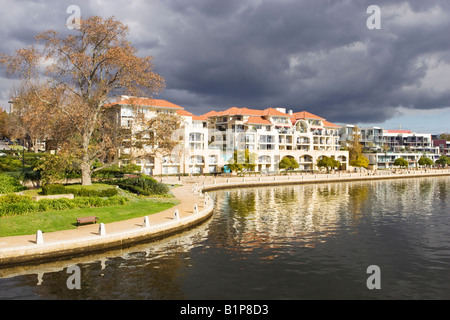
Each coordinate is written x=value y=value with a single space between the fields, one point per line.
x=143 y=185
x=51 y=189
x=15 y=204
x=9 y=184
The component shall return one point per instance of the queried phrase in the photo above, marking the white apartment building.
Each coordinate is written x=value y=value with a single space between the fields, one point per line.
x=191 y=155
x=382 y=147
x=273 y=134
x=210 y=140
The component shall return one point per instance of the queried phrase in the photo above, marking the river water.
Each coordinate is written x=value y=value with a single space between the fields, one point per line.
x=293 y=242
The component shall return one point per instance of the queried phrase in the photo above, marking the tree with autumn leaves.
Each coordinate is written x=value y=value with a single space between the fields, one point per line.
x=81 y=72
x=356 y=157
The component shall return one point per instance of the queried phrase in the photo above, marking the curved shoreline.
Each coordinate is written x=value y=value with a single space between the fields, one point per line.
x=193 y=209
x=319 y=178
x=85 y=240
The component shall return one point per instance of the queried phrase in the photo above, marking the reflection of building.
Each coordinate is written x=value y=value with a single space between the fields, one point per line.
x=303 y=214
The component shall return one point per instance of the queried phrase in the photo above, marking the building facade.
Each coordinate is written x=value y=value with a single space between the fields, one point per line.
x=210 y=140
x=443 y=145
x=382 y=147
x=272 y=134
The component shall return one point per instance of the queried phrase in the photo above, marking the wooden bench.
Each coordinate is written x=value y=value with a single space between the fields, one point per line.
x=86 y=220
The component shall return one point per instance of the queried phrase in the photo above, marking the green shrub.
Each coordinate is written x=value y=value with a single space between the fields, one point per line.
x=9 y=164
x=143 y=185
x=13 y=198
x=51 y=189
x=24 y=204
x=9 y=184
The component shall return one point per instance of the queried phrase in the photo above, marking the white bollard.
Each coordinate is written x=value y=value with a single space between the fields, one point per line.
x=39 y=237
x=101 y=229
x=146 y=222
x=176 y=215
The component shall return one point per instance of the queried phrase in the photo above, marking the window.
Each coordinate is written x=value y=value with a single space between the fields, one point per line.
x=212 y=159
x=195 y=136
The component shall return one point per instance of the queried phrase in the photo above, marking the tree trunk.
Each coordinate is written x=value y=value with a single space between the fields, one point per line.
x=86 y=170
x=86 y=173
x=36 y=146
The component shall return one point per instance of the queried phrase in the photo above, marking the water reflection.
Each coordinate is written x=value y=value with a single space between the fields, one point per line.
x=146 y=271
x=279 y=216
x=292 y=242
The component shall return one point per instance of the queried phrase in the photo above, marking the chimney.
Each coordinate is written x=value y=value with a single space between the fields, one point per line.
x=290 y=112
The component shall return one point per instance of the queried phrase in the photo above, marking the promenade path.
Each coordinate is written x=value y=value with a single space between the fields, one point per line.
x=117 y=232
x=85 y=237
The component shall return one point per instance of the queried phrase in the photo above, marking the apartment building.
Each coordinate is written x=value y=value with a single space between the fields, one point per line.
x=273 y=134
x=443 y=145
x=210 y=140
x=382 y=147
x=190 y=155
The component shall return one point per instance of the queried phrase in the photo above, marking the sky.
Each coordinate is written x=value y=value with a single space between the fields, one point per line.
x=321 y=56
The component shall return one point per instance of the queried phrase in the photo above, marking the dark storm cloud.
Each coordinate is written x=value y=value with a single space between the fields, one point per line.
x=317 y=56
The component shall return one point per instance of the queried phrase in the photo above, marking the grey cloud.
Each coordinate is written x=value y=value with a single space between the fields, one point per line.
x=317 y=56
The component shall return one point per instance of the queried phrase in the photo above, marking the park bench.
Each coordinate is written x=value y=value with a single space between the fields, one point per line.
x=84 y=220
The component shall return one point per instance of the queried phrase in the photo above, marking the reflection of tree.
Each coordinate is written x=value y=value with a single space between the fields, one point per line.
x=358 y=194
x=327 y=191
x=242 y=203
x=425 y=187
x=443 y=190
x=286 y=195
x=400 y=187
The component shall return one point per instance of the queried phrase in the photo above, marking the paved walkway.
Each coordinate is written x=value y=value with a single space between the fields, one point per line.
x=89 y=234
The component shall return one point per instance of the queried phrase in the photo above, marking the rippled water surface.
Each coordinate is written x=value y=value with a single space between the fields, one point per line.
x=293 y=242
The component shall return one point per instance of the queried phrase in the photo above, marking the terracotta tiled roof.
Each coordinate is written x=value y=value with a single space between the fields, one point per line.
x=234 y=111
x=274 y=112
x=184 y=113
x=398 y=131
x=306 y=115
x=208 y=114
x=257 y=120
x=146 y=102
x=189 y=114
x=329 y=124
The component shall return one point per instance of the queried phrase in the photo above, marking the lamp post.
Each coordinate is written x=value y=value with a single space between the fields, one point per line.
x=23 y=155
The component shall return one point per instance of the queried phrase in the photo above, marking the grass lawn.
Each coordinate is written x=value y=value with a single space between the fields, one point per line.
x=62 y=220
